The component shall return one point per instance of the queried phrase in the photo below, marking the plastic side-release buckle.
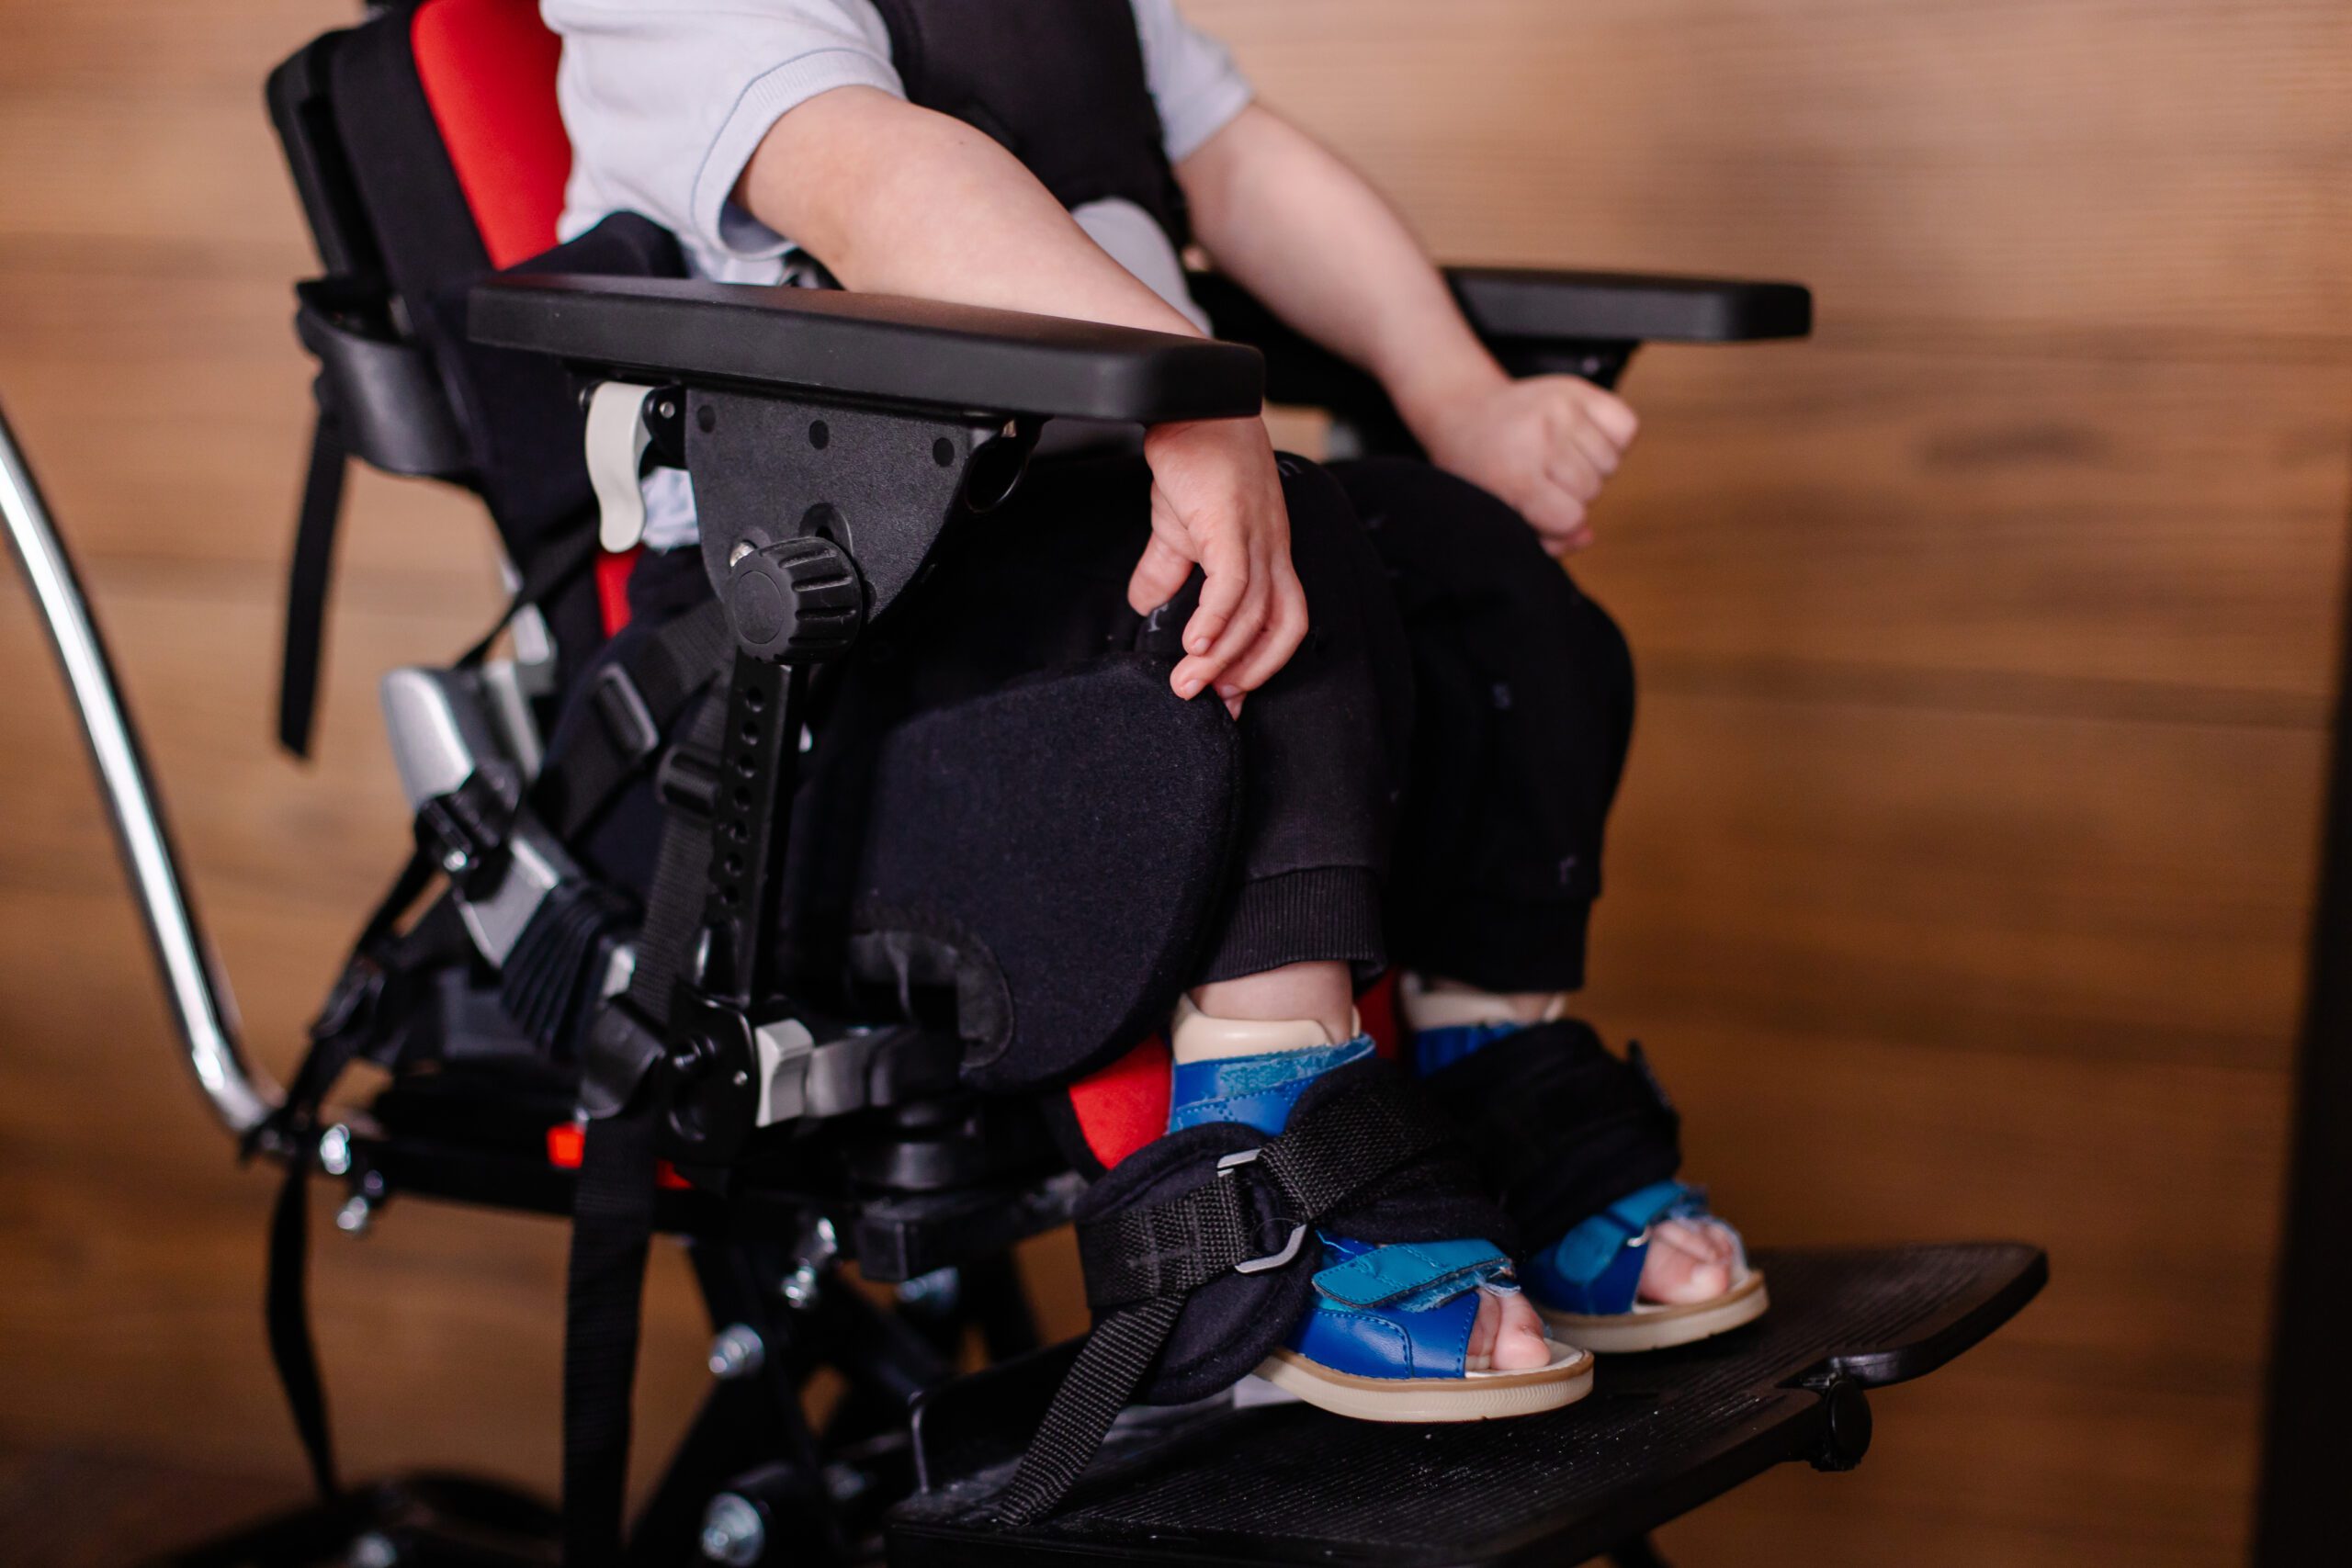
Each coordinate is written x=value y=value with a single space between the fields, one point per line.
x=627 y=718
x=1224 y=1168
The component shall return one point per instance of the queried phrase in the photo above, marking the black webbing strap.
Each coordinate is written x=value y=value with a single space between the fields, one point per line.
x=632 y=703
x=350 y=1023
x=1140 y=1263
x=1112 y=1365
x=612 y=1229
x=306 y=583
x=611 y=1224
x=286 y=1314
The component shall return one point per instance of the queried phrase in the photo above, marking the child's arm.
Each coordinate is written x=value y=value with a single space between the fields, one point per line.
x=897 y=199
x=1306 y=233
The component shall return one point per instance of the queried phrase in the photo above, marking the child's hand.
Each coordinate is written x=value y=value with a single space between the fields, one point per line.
x=1217 y=502
x=1545 y=444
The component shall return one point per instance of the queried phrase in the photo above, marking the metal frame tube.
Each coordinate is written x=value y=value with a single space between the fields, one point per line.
x=193 y=983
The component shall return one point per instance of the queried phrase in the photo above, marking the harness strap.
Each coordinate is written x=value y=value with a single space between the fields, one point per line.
x=612 y=1199
x=351 y=1022
x=611 y=1231
x=632 y=703
x=307 y=580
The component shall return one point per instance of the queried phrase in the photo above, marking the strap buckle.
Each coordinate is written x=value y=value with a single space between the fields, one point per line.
x=1226 y=1168
x=627 y=720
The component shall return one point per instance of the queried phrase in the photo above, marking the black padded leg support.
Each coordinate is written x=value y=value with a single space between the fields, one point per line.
x=1563 y=1127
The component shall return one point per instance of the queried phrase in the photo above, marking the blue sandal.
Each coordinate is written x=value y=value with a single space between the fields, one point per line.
x=1586 y=1283
x=1387 y=1335
x=1581 y=1145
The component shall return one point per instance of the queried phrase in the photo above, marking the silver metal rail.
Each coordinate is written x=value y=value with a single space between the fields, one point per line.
x=193 y=983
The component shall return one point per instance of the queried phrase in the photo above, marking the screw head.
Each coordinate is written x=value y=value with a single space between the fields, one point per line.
x=737 y=1352
x=731 y=1532
x=334 y=1150
x=800 y=1287
x=354 y=1216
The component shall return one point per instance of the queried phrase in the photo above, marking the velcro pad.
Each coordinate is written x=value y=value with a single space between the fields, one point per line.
x=1054 y=850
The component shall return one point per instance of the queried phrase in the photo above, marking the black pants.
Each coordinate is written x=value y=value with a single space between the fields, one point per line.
x=1425 y=782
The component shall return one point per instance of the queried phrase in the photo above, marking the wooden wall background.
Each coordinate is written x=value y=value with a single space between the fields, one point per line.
x=1961 y=877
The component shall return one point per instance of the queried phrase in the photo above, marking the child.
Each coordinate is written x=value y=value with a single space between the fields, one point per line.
x=1056 y=156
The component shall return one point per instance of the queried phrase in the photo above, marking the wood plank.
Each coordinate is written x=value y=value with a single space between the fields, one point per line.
x=2141 y=523
x=2098 y=164
x=2126 y=892
x=198 y=661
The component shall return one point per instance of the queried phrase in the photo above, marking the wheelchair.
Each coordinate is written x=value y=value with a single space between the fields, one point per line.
x=976 y=1049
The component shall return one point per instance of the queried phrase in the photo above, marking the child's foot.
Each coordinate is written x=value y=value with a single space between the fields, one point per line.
x=1649 y=1269
x=1416 y=1331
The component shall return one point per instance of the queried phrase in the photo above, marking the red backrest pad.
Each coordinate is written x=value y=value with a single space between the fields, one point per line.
x=488 y=69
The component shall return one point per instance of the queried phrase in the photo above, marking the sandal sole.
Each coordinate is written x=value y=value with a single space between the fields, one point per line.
x=1475 y=1397
x=1662 y=1327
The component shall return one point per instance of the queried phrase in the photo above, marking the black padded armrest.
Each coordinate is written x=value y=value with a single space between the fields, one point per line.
x=868 y=348
x=1513 y=304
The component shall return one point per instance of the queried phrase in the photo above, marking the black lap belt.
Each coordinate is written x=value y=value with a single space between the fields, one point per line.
x=633 y=701
x=1341 y=1152
x=612 y=1200
x=1562 y=1126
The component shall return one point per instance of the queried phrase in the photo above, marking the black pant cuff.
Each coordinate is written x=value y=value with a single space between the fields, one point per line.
x=1330 y=913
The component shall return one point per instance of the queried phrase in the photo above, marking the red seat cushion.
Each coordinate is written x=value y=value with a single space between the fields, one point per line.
x=488 y=69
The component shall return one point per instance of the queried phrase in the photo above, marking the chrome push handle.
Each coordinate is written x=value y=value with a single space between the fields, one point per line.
x=193 y=984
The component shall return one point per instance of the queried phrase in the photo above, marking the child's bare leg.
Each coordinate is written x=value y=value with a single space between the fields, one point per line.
x=1687 y=1262
x=1508 y=1335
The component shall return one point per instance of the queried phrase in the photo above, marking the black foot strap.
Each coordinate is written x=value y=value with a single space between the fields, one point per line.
x=1363 y=1148
x=1563 y=1127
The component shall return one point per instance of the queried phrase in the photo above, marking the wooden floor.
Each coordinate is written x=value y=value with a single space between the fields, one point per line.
x=1964 y=862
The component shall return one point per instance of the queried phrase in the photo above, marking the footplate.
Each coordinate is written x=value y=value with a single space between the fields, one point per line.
x=1661 y=1434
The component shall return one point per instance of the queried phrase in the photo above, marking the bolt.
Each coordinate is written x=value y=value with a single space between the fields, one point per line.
x=737 y=1352
x=374 y=1550
x=455 y=862
x=667 y=410
x=800 y=1287
x=937 y=1290
x=732 y=1531
x=334 y=1150
x=354 y=1217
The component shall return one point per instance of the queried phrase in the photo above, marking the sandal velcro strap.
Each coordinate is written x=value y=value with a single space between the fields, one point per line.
x=1199 y=1254
x=1412 y=1271
x=1563 y=1127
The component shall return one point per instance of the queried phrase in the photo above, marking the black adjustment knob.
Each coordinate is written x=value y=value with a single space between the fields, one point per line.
x=1845 y=1427
x=797 y=601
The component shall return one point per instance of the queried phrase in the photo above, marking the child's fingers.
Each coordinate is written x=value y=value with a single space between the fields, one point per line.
x=1568 y=468
x=1160 y=575
x=1240 y=634
x=1553 y=512
x=1587 y=438
x=1614 y=416
x=1225 y=564
x=1285 y=629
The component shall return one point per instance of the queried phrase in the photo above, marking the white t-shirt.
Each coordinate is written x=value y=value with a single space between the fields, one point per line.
x=666 y=101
